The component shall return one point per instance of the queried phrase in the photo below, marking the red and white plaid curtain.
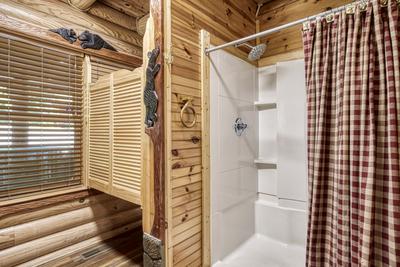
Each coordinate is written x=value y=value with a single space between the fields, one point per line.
x=353 y=87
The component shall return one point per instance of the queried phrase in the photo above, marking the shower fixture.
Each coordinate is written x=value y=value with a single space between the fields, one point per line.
x=239 y=126
x=256 y=51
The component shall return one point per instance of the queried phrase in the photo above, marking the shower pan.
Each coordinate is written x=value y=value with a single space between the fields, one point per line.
x=258 y=172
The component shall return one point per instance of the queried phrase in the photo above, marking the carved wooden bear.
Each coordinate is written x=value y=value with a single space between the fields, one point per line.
x=94 y=41
x=67 y=34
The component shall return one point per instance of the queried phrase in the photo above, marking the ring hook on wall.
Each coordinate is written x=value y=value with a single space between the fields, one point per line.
x=187 y=106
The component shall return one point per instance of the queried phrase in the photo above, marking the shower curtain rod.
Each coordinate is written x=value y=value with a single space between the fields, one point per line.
x=277 y=29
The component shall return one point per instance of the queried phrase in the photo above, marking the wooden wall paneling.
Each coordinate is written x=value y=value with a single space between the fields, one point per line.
x=287 y=44
x=225 y=21
x=34 y=15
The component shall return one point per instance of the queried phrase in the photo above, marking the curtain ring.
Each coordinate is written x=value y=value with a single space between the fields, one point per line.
x=350 y=9
x=363 y=6
x=185 y=107
x=307 y=25
x=330 y=18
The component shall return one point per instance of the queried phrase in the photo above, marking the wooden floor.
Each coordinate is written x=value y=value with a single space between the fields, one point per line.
x=122 y=251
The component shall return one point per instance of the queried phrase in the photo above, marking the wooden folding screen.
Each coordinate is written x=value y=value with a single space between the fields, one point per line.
x=115 y=129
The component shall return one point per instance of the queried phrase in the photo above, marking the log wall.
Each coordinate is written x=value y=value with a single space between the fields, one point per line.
x=43 y=230
x=52 y=14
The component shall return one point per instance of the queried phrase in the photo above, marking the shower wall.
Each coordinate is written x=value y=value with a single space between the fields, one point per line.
x=233 y=90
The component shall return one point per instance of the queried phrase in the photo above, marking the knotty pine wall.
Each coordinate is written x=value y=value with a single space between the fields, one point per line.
x=287 y=44
x=227 y=20
x=43 y=230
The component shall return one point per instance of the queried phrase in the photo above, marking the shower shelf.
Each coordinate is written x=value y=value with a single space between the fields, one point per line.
x=266 y=163
x=265 y=104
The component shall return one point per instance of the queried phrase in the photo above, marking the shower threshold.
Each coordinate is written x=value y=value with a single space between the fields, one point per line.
x=262 y=251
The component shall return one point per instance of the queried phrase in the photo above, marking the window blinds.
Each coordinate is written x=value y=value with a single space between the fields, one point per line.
x=40 y=117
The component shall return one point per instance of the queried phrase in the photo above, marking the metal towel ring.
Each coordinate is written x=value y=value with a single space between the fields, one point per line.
x=185 y=107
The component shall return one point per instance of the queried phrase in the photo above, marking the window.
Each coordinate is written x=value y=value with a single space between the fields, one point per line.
x=40 y=117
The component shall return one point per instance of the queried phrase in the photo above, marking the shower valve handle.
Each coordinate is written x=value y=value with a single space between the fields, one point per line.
x=239 y=126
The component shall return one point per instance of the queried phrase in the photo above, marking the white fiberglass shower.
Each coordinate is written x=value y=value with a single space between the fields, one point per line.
x=258 y=179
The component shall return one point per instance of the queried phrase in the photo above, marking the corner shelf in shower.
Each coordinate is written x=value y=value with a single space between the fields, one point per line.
x=265 y=104
x=266 y=163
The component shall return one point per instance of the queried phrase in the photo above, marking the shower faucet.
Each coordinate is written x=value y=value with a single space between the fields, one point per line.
x=239 y=126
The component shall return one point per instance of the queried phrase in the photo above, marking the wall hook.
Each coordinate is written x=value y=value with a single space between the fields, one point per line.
x=187 y=102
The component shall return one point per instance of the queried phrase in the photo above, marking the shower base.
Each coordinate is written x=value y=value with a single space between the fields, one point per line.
x=262 y=251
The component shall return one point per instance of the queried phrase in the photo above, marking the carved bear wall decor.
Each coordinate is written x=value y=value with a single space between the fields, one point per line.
x=94 y=41
x=150 y=94
x=67 y=34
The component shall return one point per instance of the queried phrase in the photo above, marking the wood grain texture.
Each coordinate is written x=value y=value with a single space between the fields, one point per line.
x=43 y=230
x=82 y=5
x=124 y=249
x=73 y=17
x=134 y=8
x=37 y=29
x=287 y=44
x=114 y=16
x=225 y=21
x=157 y=132
x=115 y=126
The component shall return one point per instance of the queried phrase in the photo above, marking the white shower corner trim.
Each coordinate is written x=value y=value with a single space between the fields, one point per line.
x=259 y=179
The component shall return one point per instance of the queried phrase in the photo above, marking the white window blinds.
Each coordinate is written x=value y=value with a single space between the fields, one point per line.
x=40 y=117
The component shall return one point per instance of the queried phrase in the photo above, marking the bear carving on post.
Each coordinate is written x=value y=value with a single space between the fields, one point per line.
x=150 y=95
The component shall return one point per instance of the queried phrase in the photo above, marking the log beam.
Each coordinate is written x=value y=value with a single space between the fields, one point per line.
x=134 y=8
x=23 y=19
x=114 y=16
x=82 y=5
x=70 y=17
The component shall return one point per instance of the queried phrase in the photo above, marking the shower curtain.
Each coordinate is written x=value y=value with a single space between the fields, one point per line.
x=353 y=91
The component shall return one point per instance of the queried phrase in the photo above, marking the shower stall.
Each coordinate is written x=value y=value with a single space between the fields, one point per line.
x=258 y=163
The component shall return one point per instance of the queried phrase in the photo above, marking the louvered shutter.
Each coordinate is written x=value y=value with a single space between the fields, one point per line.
x=115 y=129
x=40 y=117
x=101 y=67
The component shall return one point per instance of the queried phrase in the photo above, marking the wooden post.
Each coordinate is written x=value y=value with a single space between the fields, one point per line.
x=155 y=242
x=205 y=147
